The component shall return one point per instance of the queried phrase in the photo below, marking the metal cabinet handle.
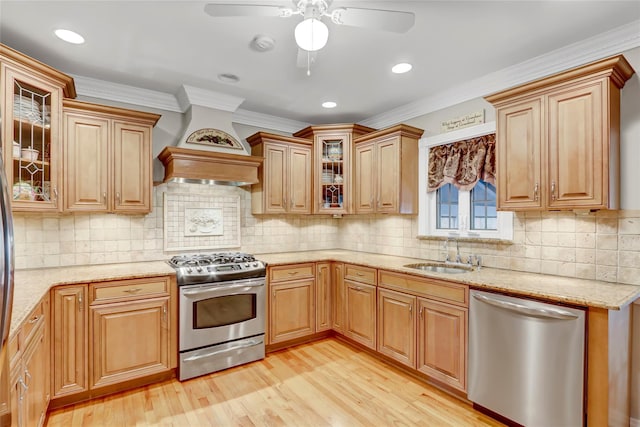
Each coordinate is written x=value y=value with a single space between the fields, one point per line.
x=34 y=319
x=80 y=302
x=421 y=310
x=535 y=192
x=132 y=291
x=410 y=310
x=104 y=196
x=164 y=313
x=293 y=273
x=358 y=288
x=553 y=190
x=55 y=193
x=359 y=274
x=118 y=197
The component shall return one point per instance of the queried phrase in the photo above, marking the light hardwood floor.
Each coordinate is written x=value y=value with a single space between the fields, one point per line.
x=325 y=383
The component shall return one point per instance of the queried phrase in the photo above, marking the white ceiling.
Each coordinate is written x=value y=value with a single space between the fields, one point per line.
x=162 y=45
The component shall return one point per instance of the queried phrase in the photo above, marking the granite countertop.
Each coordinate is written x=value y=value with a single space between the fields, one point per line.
x=31 y=285
x=570 y=290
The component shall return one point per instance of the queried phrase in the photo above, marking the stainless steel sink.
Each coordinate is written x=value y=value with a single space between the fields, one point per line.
x=440 y=268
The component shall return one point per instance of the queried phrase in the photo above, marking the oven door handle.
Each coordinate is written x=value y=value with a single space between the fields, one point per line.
x=221 y=289
x=245 y=344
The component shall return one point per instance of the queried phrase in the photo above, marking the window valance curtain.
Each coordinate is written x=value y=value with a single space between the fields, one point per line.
x=463 y=163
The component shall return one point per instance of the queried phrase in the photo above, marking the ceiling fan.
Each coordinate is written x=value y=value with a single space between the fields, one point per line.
x=311 y=34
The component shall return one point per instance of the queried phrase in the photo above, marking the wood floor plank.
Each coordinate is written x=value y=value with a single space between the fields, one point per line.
x=325 y=383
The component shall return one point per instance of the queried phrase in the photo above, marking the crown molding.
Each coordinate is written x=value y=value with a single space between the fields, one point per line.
x=191 y=95
x=592 y=49
x=267 y=121
x=87 y=86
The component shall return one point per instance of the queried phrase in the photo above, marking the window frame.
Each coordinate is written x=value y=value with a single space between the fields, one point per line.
x=427 y=219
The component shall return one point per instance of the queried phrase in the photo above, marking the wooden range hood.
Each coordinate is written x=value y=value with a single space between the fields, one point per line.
x=209 y=167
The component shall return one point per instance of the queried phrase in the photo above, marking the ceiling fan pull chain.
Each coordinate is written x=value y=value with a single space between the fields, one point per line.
x=308 y=63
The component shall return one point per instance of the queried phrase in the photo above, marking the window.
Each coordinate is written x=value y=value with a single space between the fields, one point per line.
x=465 y=210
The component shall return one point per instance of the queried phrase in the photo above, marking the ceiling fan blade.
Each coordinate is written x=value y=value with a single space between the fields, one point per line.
x=306 y=58
x=387 y=20
x=226 y=9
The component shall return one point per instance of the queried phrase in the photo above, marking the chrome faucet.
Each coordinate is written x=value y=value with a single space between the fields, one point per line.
x=446 y=250
x=458 y=257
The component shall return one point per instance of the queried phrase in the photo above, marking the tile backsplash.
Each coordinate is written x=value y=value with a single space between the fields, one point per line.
x=603 y=245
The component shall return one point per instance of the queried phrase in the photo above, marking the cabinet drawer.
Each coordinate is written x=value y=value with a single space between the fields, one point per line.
x=430 y=288
x=291 y=272
x=360 y=274
x=129 y=289
x=35 y=318
x=14 y=350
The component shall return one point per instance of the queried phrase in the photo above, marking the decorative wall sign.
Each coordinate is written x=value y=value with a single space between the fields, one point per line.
x=213 y=138
x=203 y=222
x=467 y=120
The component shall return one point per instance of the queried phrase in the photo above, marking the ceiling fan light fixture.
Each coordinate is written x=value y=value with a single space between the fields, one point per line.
x=401 y=68
x=311 y=34
x=69 y=36
x=329 y=104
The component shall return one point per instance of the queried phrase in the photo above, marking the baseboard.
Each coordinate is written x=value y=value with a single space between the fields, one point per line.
x=634 y=422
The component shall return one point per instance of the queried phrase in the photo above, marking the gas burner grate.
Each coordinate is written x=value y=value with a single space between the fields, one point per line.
x=221 y=258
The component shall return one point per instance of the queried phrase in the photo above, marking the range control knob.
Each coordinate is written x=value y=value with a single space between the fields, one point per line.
x=246 y=264
x=199 y=269
x=189 y=270
x=255 y=264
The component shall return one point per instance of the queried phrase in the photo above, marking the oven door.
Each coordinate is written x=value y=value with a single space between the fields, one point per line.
x=224 y=311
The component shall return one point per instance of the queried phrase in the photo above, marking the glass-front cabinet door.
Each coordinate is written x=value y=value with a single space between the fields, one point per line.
x=333 y=153
x=30 y=139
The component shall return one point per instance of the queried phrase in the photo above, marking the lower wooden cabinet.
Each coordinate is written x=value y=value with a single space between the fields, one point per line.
x=129 y=340
x=30 y=386
x=397 y=326
x=111 y=332
x=442 y=342
x=323 y=296
x=337 y=297
x=360 y=321
x=292 y=310
x=69 y=334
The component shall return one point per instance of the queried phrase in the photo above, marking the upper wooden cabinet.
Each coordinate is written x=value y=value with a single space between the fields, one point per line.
x=333 y=180
x=386 y=171
x=107 y=157
x=285 y=175
x=558 y=139
x=31 y=96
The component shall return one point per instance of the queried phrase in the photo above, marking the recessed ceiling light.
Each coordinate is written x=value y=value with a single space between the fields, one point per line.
x=228 y=78
x=401 y=68
x=69 y=36
x=329 y=104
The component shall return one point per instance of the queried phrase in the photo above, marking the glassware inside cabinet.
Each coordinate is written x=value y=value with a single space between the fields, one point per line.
x=332 y=180
x=31 y=143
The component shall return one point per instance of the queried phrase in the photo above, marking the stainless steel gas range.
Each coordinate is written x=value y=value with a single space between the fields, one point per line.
x=221 y=311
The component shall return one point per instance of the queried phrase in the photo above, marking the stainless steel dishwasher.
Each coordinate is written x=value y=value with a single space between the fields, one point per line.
x=526 y=360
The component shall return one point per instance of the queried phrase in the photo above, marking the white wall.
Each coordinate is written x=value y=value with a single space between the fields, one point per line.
x=630 y=136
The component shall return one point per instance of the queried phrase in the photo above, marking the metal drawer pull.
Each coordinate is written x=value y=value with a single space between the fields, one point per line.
x=535 y=192
x=213 y=353
x=553 y=190
x=132 y=291
x=34 y=319
x=292 y=273
x=359 y=274
x=545 y=313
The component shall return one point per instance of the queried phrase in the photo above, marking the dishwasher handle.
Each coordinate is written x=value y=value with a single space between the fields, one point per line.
x=543 y=313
